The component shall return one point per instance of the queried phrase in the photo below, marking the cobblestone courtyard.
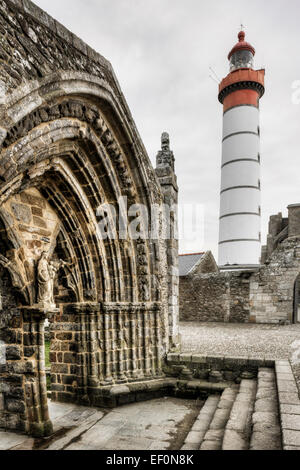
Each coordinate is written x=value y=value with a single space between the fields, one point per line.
x=239 y=339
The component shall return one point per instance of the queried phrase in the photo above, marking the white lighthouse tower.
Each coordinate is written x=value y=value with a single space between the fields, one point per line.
x=240 y=211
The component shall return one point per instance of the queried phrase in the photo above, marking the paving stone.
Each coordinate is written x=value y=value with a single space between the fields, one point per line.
x=75 y=433
x=290 y=437
x=267 y=428
x=290 y=422
x=186 y=447
x=263 y=441
x=266 y=383
x=202 y=423
x=290 y=409
x=214 y=435
x=264 y=393
x=283 y=369
x=269 y=418
x=10 y=440
x=239 y=416
x=238 y=427
x=211 y=445
x=83 y=446
x=266 y=433
x=220 y=419
x=263 y=404
x=139 y=443
x=225 y=404
x=287 y=376
x=287 y=386
x=198 y=359
x=289 y=398
x=194 y=437
x=233 y=440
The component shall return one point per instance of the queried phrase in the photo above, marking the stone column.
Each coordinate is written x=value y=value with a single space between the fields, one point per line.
x=165 y=171
x=35 y=385
x=23 y=388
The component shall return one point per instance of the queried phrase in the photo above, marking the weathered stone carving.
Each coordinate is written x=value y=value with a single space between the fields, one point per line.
x=46 y=272
x=165 y=157
x=18 y=276
x=83 y=112
x=33 y=50
x=143 y=270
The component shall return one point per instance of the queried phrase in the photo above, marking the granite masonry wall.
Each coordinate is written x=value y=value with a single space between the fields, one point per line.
x=215 y=297
x=272 y=288
x=265 y=296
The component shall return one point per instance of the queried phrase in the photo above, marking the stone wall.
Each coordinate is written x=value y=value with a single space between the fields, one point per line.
x=265 y=296
x=272 y=288
x=294 y=220
x=216 y=297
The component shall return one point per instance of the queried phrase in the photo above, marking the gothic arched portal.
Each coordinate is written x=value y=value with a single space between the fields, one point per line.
x=69 y=150
x=296 y=311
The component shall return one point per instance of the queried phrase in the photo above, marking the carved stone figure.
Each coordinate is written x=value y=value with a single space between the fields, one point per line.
x=44 y=280
x=46 y=273
x=165 y=157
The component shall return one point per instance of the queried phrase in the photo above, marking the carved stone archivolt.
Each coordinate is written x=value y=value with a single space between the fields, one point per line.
x=82 y=112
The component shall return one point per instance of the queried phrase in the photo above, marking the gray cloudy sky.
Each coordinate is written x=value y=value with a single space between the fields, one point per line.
x=161 y=51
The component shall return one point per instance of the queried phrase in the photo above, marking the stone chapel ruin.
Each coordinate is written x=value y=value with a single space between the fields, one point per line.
x=69 y=145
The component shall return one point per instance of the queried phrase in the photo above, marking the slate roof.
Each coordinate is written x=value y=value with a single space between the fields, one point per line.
x=187 y=262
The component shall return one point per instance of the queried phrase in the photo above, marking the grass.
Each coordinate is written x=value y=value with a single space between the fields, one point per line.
x=47 y=353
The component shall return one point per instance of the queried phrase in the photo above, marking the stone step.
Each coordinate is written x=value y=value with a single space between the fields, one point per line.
x=266 y=431
x=196 y=435
x=238 y=428
x=213 y=438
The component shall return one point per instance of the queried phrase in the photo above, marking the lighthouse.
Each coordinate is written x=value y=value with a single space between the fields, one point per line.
x=240 y=206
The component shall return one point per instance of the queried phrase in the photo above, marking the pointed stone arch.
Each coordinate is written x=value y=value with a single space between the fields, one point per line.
x=69 y=145
x=76 y=150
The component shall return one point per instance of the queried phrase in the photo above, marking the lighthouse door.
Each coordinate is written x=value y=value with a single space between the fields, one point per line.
x=296 y=314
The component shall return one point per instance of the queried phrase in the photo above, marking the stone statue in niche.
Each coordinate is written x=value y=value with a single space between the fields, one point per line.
x=46 y=272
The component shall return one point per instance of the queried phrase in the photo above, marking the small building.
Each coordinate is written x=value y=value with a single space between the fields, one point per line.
x=197 y=263
x=192 y=266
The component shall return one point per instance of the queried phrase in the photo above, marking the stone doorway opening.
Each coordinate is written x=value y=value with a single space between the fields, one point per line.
x=296 y=312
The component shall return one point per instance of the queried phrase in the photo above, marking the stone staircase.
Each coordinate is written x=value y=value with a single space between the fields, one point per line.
x=214 y=436
x=202 y=424
x=243 y=417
